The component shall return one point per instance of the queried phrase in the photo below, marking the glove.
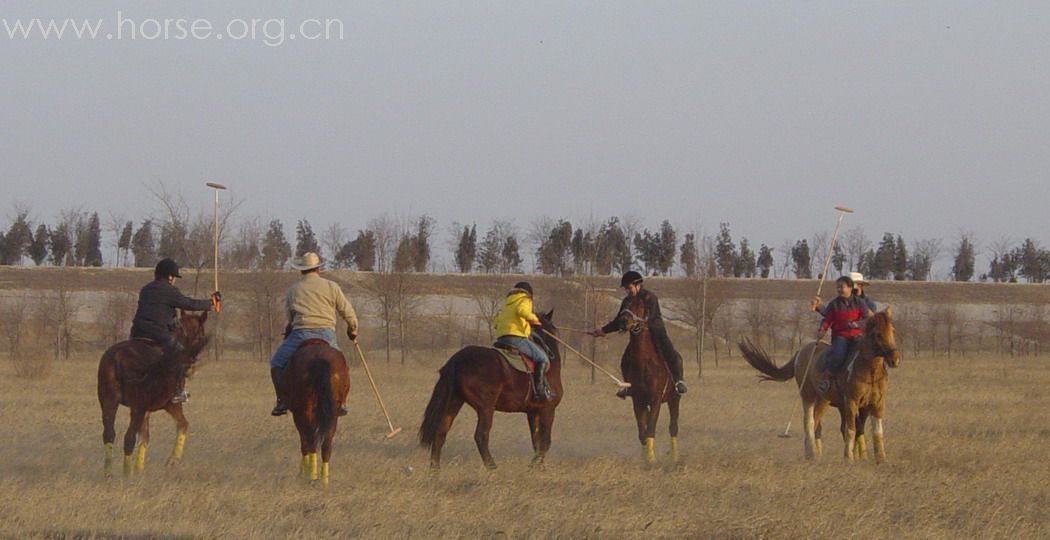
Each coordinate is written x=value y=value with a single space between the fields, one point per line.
x=216 y=301
x=814 y=304
x=852 y=324
x=596 y=332
x=351 y=334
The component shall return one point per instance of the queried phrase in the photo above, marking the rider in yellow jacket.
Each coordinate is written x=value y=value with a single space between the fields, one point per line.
x=513 y=325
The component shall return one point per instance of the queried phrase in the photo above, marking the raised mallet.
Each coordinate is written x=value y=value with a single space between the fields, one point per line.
x=217 y=188
x=842 y=210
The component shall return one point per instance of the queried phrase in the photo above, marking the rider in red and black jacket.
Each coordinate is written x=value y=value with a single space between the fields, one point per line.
x=845 y=316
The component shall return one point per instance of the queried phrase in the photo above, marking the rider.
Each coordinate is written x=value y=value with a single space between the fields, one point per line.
x=632 y=283
x=513 y=325
x=845 y=315
x=312 y=304
x=155 y=317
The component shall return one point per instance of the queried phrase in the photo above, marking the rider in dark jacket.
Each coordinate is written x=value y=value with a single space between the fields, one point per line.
x=632 y=283
x=156 y=314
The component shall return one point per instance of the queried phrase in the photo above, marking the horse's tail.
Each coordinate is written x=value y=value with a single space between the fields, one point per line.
x=439 y=400
x=324 y=405
x=759 y=360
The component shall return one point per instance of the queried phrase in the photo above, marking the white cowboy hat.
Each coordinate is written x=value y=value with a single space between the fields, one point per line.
x=858 y=278
x=308 y=261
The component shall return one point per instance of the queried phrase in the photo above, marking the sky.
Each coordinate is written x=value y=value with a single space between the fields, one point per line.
x=927 y=118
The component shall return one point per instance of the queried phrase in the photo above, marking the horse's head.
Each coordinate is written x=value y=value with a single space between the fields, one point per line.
x=879 y=332
x=635 y=316
x=190 y=332
x=544 y=340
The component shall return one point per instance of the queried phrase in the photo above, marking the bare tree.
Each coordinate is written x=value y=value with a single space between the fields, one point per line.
x=855 y=244
x=389 y=292
x=13 y=319
x=488 y=296
x=265 y=317
x=114 y=319
x=387 y=231
x=334 y=237
x=56 y=313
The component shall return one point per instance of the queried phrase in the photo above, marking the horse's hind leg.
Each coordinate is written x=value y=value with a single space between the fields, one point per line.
x=181 y=425
x=451 y=410
x=860 y=448
x=140 y=454
x=326 y=452
x=672 y=409
x=109 y=432
x=481 y=435
x=307 y=446
x=137 y=417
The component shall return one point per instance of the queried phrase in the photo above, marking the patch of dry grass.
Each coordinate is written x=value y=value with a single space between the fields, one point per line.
x=967 y=441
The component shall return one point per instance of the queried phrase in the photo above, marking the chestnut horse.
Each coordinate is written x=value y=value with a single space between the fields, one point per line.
x=482 y=378
x=858 y=391
x=650 y=378
x=316 y=383
x=136 y=374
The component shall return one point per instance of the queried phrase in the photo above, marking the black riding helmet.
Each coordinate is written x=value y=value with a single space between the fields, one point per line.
x=629 y=278
x=165 y=268
x=524 y=285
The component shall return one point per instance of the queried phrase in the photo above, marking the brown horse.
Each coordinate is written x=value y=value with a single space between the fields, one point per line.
x=858 y=392
x=136 y=374
x=482 y=378
x=651 y=381
x=316 y=384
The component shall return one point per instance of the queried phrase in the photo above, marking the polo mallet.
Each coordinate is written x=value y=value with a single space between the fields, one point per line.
x=393 y=431
x=842 y=210
x=217 y=188
x=618 y=382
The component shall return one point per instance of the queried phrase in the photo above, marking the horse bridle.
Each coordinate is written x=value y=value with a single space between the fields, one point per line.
x=639 y=322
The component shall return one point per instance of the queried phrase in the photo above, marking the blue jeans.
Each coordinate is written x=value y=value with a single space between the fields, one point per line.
x=836 y=355
x=291 y=343
x=526 y=346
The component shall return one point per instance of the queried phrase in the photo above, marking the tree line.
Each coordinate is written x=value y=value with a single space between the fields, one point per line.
x=557 y=247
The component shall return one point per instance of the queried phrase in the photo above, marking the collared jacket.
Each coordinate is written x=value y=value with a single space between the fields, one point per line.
x=652 y=307
x=845 y=316
x=515 y=315
x=155 y=315
x=313 y=302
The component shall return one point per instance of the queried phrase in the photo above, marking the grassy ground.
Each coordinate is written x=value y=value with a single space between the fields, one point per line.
x=967 y=439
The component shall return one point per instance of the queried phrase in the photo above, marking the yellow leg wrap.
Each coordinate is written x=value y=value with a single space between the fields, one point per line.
x=108 y=467
x=324 y=474
x=180 y=442
x=674 y=448
x=313 y=466
x=140 y=458
x=650 y=454
x=818 y=447
x=860 y=448
x=127 y=465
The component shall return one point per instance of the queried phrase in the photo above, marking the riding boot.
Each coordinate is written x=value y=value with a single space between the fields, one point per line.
x=825 y=383
x=674 y=362
x=623 y=392
x=277 y=376
x=543 y=392
x=180 y=395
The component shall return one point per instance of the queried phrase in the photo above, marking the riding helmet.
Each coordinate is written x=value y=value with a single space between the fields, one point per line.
x=165 y=268
x=629 y=278
x=524 y=285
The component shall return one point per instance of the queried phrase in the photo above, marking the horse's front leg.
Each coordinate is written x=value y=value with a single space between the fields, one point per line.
x=809 y=430
x=641 y=416
x=546 y=424
x=860 y=448
x=650 y=438
x=140 y=456
x=181 y=426
x=673 y=406
x=880 y=448
x=481 y=435
x=849 y=427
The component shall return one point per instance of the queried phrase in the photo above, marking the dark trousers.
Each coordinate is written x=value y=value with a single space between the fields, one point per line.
x=666 y=350
x=839 y=352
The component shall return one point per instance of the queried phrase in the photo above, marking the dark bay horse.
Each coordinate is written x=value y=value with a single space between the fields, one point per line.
x=482 y=378
x=316 y=383
x=135 y=374
x=858 y=392
x=651 y=381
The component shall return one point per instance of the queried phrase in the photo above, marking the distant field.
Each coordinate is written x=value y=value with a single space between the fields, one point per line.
x=968 y=446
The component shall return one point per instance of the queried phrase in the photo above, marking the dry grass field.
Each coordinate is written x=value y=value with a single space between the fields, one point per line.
x=968 y=443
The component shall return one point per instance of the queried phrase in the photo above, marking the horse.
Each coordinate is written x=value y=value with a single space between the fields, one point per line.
x=482 y=378
x=858 y=392
x=136 y=374
x=316 y=383
x=650 y=379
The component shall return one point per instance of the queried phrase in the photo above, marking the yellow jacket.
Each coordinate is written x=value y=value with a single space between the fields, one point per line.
x=514 y=317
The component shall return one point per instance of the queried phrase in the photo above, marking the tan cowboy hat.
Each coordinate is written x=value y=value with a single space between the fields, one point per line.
x=308 y=261
x=858 y=278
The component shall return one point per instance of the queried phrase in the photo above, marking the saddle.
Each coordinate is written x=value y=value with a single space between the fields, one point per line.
x=517 y=359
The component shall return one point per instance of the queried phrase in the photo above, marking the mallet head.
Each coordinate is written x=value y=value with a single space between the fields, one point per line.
x=844 y=210
x=213 y=185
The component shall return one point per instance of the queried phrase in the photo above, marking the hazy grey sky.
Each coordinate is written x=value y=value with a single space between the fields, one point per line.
x=926 y=117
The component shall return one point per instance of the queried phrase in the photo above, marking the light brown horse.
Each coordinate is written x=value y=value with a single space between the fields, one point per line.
x=651 y=381
x=136 y=374
x=316 y=383
x=859 y=391
x=482 y=378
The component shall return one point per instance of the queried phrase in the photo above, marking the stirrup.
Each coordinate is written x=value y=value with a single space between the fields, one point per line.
x=181 y=396
x=680 y=387
x=825 y=386
x=342 y=411
x=280 y=409
x=623 y=393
